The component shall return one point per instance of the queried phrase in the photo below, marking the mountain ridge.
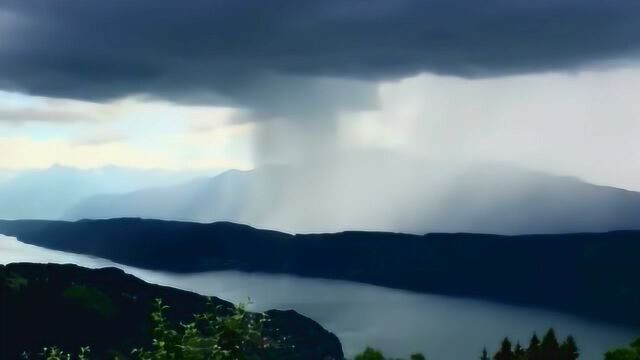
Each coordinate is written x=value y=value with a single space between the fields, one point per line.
x=492 y=199
x=110 y=311
x=587 y=274
x=49 y=193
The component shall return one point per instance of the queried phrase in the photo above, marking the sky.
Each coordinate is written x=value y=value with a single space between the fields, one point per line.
x=547 y=85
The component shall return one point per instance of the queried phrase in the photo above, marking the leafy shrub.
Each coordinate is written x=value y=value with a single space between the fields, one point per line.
x=632 y=352
x=215 y=335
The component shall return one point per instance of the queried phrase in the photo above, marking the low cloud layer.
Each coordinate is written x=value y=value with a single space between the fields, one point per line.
x=282 y=57
x=17 y=109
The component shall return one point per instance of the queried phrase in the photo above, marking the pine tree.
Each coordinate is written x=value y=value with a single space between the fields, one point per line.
x=505 y=352
x=549 y=348
x=569 y=349
x=485 y=354
x=533 y=352
x=519 y=353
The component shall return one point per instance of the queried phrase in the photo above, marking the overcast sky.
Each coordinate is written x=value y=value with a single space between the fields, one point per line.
x=550 y=85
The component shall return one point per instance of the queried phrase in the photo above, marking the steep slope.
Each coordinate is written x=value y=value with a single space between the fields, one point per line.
x=402 y=198
x=593 y=275
x=108 y=310
x=195 y=200
x=510 y=201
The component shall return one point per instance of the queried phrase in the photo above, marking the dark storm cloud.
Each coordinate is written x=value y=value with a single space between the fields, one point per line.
x=273 y=56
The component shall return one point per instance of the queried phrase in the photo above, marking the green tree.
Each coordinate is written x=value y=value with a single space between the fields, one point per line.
x=373 y=354
x=569 y=349
x=550 y=348
x=370 y=354
x=505 y=352
x=533 y=351
x=629 y=353
x=484 y=355
x=519 y=353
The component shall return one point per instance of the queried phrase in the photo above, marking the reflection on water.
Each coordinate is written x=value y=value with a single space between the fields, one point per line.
x=397 y=322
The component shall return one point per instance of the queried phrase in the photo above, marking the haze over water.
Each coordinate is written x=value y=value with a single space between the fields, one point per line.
x=361 y=315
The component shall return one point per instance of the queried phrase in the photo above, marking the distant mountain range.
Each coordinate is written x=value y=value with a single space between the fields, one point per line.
x=593 y=275
x=110 y=311
x=49 y=193
x=371 y=191
x=398 y=198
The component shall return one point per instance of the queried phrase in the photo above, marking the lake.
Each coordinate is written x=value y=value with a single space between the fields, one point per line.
x=397 y=322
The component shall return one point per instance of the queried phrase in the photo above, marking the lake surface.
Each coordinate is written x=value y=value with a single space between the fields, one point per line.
x=395 y=321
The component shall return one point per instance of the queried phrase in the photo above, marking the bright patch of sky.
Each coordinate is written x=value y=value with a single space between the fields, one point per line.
x=38 y=132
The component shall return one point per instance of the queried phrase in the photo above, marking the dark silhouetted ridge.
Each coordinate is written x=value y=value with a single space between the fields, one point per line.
x=110 y=311
x=589 y=274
